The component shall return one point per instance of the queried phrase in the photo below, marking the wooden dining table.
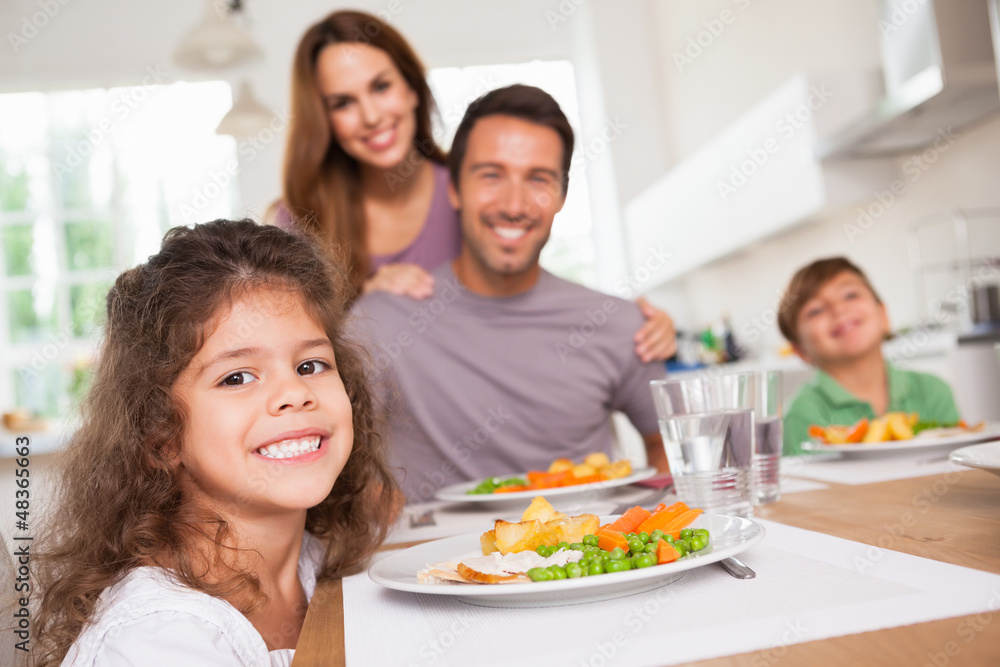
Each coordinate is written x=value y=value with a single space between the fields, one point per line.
x=952 y=517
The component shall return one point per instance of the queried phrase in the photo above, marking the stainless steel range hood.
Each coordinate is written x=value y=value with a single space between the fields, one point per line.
x=940 y=75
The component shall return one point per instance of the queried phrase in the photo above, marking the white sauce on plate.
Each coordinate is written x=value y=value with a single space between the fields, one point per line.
x=519 y=563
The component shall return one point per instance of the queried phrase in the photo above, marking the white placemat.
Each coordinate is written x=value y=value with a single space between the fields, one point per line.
x=867 y=470
x=809 y=586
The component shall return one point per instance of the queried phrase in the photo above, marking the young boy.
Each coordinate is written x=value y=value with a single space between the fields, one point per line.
x=835 y=321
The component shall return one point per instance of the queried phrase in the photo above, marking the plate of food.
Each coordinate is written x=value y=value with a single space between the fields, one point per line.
x=532 y=564
x=985 y=456
x=595 y=475
x=896 y=432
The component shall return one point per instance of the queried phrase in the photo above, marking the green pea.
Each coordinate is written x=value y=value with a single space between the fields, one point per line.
x=590 y=540
x=605 y=556
x=543 y=551
x=686 y=533
x=644 y=536
x=652 y=547
x=656 y=536
x=697 y=544
x=635 y=545
x=562 y=545
x=645 y=560
x=681 y=549
x=617 y=566
x=558 y=571
x=577 y=546
x=573 y=570
x=596 y=567
x=669 y=538
x=702 y=532
x=539 y=574
x=616 y=554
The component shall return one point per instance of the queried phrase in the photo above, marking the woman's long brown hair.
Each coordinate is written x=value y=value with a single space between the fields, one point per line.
x=322 y=183
x=120 y=501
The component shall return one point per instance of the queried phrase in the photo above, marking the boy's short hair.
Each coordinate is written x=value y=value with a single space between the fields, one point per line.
x=804 y=285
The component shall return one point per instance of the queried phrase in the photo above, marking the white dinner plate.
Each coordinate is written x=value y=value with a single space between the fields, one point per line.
x=458 y=493
x=919 y=443
x=985 y=456
x=729 y=536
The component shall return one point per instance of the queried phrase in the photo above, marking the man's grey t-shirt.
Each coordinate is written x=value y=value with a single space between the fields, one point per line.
x=479 y=386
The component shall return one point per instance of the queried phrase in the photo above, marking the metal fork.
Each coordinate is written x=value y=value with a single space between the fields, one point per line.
x=425 y=519
x=737 y=568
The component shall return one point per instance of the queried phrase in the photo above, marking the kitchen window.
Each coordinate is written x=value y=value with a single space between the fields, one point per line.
x=89 y=182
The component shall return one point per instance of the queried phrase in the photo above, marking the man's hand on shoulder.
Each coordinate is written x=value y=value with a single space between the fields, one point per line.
x=656 y=340
x=402 y=279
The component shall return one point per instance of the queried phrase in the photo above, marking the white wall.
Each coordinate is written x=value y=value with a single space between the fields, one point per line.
x=765 y=44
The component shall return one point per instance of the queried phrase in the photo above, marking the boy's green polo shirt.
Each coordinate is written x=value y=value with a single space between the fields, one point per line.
x=824 y=401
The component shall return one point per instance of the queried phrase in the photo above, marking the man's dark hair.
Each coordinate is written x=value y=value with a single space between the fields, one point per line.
x=518 y=101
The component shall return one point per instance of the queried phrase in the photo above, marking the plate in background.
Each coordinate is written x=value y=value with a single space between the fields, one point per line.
x=985 y=456
x=458 y=492
x=919 y=443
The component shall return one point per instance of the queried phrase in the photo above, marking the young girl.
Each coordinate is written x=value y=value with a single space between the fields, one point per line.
x=228 y=458
x=836 y=322
x=361 y=165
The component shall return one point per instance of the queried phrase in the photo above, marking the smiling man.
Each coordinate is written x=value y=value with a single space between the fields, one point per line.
x=506 y=367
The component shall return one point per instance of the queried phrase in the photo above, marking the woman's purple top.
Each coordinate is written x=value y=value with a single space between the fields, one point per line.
x=439 y=240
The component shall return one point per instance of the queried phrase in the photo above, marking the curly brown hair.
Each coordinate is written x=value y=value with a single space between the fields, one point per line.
x=120 y=502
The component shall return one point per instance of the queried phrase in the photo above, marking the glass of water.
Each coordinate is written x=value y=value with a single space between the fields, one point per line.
x=708 y=433
x=767 y=438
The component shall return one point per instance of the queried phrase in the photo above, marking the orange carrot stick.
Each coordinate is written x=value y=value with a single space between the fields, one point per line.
x=660 y=519
x=608 y=539
x=665 y=552
x=628 y=522
x=676 y=525
x=510 y=489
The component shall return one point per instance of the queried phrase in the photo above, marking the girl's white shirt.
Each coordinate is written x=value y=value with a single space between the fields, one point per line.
x=148 y=619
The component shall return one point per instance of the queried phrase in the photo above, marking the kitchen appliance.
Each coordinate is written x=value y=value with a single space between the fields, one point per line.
x=986 y=304
x=940 y=75
x=955 y=257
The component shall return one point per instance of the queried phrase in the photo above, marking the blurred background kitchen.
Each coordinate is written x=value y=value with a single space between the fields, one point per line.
x=722 y=145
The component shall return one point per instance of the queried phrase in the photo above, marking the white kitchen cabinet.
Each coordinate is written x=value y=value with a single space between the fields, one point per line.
x=756 y=178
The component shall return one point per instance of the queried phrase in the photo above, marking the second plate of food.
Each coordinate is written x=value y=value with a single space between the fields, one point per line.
x=924 y=441
x=460 y=492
